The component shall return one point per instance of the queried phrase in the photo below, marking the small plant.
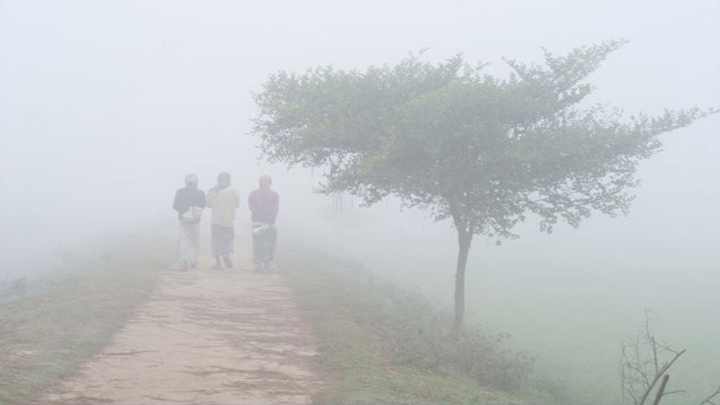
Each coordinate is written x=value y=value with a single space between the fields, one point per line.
x=645 y=364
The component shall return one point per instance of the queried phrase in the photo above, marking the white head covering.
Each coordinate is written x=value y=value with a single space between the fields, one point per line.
x=191 y=178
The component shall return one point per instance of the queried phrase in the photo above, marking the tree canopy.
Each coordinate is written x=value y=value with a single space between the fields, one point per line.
x=463 y=144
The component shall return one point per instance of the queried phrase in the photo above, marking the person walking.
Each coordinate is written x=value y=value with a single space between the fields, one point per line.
x=223 y=201
x=189 y=204
x=264 y=204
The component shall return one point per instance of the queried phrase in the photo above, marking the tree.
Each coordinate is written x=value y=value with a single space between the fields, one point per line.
x=465 y=145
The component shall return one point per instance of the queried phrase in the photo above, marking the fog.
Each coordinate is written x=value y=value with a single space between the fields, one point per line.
x=105 y=106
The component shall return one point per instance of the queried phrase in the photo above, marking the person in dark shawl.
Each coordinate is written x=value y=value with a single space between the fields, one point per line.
x=264 y=204
x=189 y=204
x=223 y=201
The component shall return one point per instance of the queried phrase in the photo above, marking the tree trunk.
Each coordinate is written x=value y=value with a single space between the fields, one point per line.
x=464 y=241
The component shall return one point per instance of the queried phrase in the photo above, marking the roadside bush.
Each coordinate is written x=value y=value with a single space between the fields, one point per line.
x=421 y=336
x=415 y=333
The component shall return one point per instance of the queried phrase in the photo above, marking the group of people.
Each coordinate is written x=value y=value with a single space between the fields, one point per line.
x=223 y=200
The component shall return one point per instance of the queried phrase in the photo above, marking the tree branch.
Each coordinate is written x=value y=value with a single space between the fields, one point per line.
x=660 y=391
x=657 y=376
x=708 y=400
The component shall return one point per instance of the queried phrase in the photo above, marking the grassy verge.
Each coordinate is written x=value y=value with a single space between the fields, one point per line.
x=46 y=336
x=380 y=345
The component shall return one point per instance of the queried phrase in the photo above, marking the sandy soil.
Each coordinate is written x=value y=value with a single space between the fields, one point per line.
x=205 y=337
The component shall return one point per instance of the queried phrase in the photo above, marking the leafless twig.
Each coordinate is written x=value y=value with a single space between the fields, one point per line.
x=709 y=399
x=660 y=390
x=644 y=362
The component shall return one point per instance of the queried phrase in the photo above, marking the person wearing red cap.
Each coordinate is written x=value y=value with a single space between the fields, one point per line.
x=264 y=204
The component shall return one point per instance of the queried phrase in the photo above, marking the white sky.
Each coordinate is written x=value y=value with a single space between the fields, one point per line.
x=104 y=106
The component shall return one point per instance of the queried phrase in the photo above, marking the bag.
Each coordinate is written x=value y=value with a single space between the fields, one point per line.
x=259 y=228
x=192 y=215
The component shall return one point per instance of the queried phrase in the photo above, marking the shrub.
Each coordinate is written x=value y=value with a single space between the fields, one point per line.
x=422 y=337
x=414 y=333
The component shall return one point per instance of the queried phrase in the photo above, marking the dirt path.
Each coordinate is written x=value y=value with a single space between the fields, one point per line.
x=205 y=337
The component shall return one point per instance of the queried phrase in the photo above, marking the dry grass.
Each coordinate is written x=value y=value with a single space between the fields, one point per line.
x=44 y=337
x=378 y=346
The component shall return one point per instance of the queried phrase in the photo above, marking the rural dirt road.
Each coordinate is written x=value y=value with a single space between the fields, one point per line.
x=205 y=337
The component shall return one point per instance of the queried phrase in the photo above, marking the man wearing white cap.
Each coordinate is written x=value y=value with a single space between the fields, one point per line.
x=189 y=204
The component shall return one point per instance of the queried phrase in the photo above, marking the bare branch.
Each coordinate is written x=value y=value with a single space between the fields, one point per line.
x=709 y=399
x=657 y=376
x=643 y=365
x=660 y=391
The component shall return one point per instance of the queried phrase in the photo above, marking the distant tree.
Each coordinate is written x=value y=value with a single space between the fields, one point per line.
x=465 y=145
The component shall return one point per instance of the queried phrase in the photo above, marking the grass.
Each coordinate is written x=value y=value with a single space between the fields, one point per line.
x=362 y=328
x=46 y=336
x=377 y=344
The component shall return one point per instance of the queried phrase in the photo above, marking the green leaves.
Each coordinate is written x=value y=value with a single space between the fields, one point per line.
x=447 y=137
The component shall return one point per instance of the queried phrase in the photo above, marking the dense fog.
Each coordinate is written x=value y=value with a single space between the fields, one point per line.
x=105 y=106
